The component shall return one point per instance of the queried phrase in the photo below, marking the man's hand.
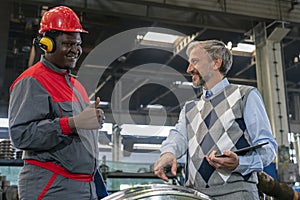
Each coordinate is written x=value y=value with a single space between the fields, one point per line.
x=166 y=160
x=230 y=160
x=89 y=118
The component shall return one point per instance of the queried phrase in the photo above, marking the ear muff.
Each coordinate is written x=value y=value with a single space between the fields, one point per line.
x=47 y=44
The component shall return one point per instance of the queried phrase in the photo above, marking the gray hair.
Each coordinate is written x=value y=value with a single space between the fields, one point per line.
x=215 y=49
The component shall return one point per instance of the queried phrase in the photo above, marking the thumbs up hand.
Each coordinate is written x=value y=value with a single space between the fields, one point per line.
x=91 y=117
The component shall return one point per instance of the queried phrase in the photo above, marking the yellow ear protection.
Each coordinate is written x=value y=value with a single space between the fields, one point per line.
x=47 y=44
x=46 y=41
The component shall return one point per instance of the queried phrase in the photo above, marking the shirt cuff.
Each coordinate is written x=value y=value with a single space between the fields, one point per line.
x=243 y=166
x=246 y=165
x=164 y=150
x=64 y=125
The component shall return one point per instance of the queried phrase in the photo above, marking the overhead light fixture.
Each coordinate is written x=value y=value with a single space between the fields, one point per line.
x=104 y=103
x=3 y=122
x=159 y=39
x=145 y=130
x=155 y=106
x=146 y=146
x=243 y=47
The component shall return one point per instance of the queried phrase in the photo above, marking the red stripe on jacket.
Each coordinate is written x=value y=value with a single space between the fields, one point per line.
x=54 y=83
x=61 y=171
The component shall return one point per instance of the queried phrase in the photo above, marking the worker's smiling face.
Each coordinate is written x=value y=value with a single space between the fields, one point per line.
x=67 y=51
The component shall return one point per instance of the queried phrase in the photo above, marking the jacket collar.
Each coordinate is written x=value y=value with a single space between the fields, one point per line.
x=53 y=67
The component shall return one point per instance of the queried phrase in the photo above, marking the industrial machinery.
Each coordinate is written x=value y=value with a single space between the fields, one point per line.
x=158 y=192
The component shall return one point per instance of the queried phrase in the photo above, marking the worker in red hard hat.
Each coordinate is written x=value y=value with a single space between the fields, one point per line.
x=51 y=118
x=61 y=18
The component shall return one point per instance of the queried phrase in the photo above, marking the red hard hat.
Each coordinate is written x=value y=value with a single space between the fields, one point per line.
x=61 y=18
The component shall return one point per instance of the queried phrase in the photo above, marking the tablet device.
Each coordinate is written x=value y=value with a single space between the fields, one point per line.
x=243 y=151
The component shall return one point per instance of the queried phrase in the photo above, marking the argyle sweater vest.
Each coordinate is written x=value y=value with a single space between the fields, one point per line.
x=217 y=124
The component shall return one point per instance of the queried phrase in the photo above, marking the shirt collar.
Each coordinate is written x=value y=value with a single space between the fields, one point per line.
x=218 y=87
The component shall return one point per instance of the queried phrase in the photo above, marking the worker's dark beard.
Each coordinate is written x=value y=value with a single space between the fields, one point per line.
x=200 y=82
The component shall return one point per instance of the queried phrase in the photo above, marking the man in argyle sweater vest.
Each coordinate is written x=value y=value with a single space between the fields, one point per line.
x=221 y=120
x=227 y=118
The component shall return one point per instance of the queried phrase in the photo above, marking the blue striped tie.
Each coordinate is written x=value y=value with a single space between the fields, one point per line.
x=208 y=94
